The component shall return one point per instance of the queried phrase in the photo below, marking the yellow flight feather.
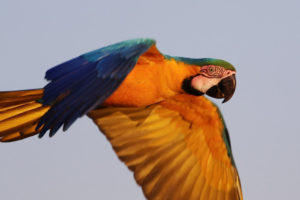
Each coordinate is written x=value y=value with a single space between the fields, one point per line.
x=19 y=114
x=174 y=148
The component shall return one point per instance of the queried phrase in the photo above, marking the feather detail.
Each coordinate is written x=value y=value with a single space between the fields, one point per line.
x=175 y=148
x=83 y=83
x=19 y=114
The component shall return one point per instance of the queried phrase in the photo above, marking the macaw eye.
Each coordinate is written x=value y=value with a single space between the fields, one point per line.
x=212 y=69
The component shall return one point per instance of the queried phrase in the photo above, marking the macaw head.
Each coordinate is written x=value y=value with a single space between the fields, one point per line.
x=215 y=79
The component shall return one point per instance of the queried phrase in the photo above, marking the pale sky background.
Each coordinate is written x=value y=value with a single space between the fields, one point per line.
x=261 y=38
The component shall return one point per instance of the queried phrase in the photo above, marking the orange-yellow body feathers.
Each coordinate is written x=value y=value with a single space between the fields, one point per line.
x=153 y=79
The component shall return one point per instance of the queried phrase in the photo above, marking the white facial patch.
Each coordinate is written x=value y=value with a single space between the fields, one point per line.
x=203 y=83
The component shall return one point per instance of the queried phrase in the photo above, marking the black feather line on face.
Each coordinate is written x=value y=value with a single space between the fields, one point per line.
x=187 y=87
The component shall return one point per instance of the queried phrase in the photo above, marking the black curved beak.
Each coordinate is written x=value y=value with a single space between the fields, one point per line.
x=225 y=89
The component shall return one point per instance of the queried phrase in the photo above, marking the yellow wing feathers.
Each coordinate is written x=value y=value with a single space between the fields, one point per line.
x=175 y=147
x=171 y=154
x=19 y=114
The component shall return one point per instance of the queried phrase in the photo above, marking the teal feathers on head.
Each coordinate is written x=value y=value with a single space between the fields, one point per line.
x=203 y=61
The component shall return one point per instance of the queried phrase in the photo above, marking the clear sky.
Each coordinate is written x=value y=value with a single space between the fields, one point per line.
x=261 y=38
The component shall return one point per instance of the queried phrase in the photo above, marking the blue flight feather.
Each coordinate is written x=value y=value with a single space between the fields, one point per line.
x=83 y=83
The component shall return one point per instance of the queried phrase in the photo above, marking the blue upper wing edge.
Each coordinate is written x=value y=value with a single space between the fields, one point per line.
x=83 y=83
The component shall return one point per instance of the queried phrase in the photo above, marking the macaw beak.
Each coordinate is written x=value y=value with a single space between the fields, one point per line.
x=225 y=89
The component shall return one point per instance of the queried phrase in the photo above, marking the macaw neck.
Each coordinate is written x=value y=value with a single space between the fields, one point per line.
x=151 y=82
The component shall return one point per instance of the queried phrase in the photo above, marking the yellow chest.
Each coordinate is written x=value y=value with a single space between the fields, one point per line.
x=150 y=82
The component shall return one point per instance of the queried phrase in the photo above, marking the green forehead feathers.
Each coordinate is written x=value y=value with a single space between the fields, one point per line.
x=203 y=61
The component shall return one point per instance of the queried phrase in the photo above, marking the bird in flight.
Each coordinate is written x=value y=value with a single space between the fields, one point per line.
x=152 y=109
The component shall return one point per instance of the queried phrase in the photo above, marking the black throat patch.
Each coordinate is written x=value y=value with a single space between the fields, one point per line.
x=187 y=87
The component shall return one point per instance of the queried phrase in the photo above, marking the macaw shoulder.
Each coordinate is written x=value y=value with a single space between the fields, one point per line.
x=153 y=79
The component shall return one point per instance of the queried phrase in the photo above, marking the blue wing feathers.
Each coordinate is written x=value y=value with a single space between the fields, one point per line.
x=81 y=84
x=64 y=68
x=71 y=80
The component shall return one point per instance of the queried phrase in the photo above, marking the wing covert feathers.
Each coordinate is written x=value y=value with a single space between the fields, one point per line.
x=19 y=114
x=86 y=81
x=175 y=148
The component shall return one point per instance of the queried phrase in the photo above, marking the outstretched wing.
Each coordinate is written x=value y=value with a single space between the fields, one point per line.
x=177 y=149
x=81 y=84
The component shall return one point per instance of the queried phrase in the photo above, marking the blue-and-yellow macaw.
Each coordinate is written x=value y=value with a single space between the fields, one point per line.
x=151 y=108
